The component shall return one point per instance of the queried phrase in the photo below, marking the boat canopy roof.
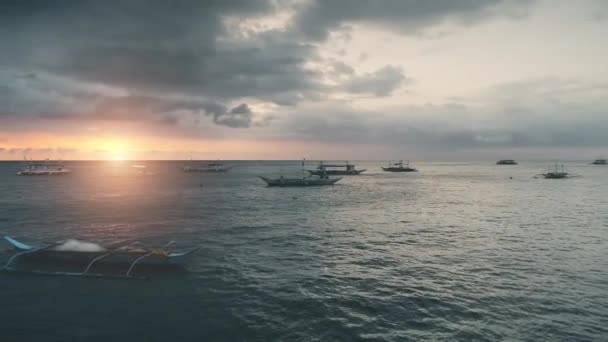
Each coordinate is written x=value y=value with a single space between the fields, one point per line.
x=73 y=245
x=336 y=165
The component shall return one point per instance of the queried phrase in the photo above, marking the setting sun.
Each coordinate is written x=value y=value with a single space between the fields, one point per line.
x=119 y=155
x=115 y=149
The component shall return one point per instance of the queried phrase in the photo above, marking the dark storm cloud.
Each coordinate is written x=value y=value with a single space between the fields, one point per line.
x=380 y=83
x=141 y=44
x=138 y=60
x=160 y=110
x=239 y=116
x=321 y=17
x=50 y=99
x=146 y=48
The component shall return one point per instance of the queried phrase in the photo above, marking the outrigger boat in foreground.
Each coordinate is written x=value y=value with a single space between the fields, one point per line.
x=74 y=252
x=346 y=169
x=303 y=181
x=399 y=167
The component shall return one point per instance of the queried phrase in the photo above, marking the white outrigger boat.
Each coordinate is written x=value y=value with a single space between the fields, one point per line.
x=87 y=255
x=346 y=169
x=45 y=168
x=305 y=180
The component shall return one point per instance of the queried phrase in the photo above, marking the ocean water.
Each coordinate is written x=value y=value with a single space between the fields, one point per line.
x=455 y=252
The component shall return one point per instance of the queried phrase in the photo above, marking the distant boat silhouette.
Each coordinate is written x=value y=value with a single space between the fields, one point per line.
x=399 y=167
x=506 y=162
x=304 y=181
x=599 y=161
x=210 y=167
x=556 y=172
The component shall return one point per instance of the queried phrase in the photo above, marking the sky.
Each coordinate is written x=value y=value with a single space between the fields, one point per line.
x=291 y=79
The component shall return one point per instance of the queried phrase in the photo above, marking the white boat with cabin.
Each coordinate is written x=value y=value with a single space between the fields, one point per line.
x=345 y=169
x=44 y=168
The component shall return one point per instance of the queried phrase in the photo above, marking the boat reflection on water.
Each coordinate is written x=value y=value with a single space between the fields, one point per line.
x=133 y=170
x=303 y=181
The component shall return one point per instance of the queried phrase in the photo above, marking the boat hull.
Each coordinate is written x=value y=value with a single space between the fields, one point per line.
x=113 y=258
x=194 y=170
x=554 y=176
x=299 y=182
x=399 y=169
x=43 y=173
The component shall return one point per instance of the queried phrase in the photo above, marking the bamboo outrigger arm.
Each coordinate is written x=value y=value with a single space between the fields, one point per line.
x=10 y=261
x=95 y=260
x=128 y=274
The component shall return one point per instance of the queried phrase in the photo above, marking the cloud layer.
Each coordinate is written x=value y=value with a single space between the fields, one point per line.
x=268 y=65
x=156 y=50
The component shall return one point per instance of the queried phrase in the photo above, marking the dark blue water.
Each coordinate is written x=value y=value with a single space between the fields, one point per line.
x=466 y=252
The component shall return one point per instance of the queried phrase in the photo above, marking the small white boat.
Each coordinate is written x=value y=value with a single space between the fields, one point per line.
x=45 y=168
x=346 y=169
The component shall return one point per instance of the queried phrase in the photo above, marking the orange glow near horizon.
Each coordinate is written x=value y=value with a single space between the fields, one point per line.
x=117 y=149
x=142 y=147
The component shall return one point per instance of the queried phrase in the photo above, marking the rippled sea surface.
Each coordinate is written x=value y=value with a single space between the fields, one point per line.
x=457 y=251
